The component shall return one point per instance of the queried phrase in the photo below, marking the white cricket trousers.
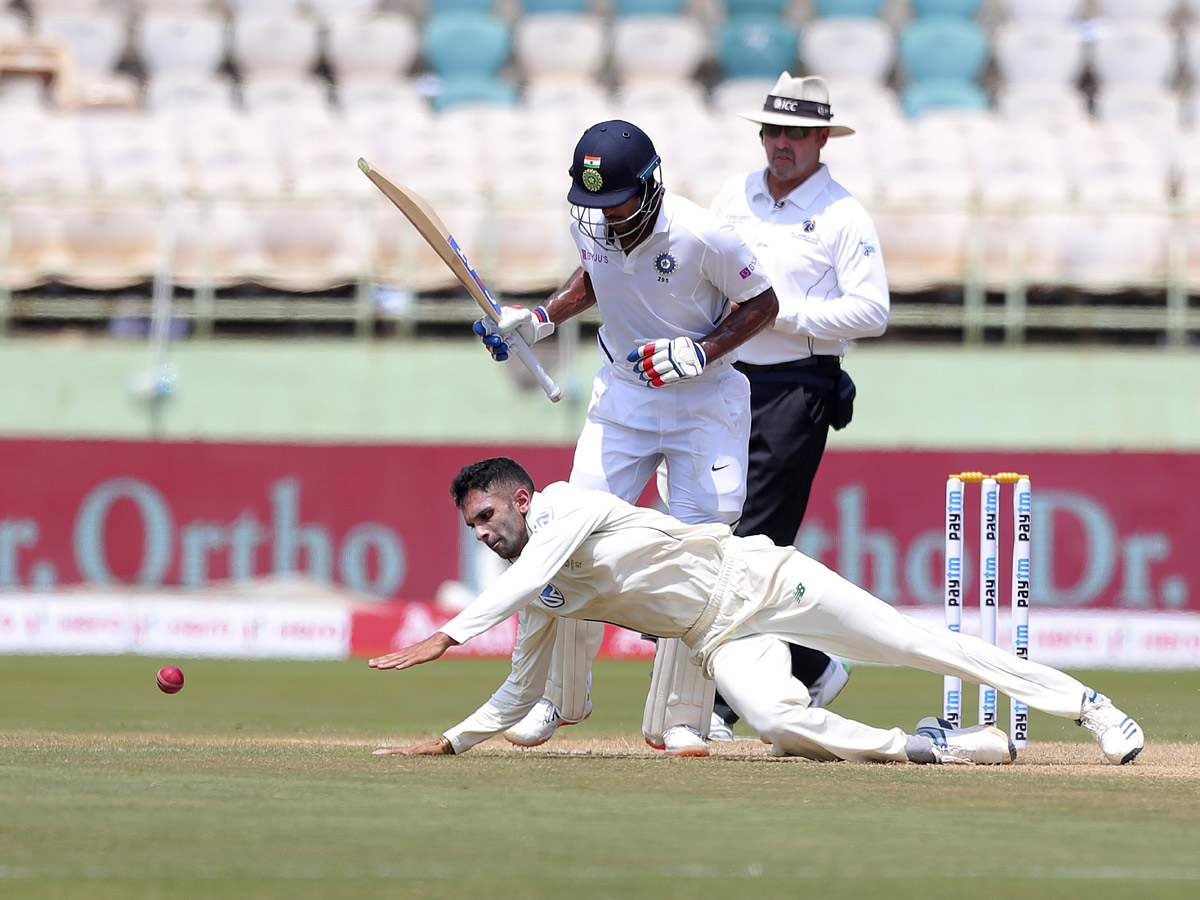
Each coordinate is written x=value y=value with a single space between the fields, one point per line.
x=701 y=430
x=752 y=667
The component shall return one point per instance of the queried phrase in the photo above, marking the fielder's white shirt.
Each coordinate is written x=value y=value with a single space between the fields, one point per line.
x=591 y=556
x=677 y=283
x=820 y=251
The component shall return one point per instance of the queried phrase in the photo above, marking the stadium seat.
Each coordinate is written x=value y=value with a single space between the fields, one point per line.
x=755 y=46
x=382 y=46
x=311 y=246
x=1157 y=10
x=469 y=7
x=109 y=244
x=530 y=239
x=96 y=40
x=280 y=95
x=1041 y=50
x=653 y=47
x=1058 y=106
x=178 y=94
x=172 y=44
x=404 y=96
x=13 y=25
x=942 y=48
x=555 y=46
x=923 y=219
x=866 y=106
x=1190 y=51
x=1152 y=110
x=239 y=8
x=848 y=7
x=263 y=44
x=538 y=7
x=132 y=153
x=774 y=8
x=1058 y=10
x=329 y=11
x=458 y=43
x=474 y=89
x=215 y=244
x=963 y=9
x=647 y=7
x=35 y=248
x=736 y=95
x=939 y=93
x=1119 y=235
x=1135 y=51
x=848 y=47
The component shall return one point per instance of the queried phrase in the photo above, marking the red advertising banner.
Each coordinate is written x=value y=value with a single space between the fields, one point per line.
x=1109 y=530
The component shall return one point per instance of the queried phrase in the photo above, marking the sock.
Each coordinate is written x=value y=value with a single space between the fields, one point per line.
x=919 y=749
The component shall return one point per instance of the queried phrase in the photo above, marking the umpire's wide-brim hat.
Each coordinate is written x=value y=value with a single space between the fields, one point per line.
x=798 y=101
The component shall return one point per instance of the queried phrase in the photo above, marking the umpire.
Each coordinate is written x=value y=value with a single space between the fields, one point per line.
x=818 y=246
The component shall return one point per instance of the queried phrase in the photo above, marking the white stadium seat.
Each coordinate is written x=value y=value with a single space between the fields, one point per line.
x=1135 y=51
x=174 y=44
x=380 y=46
x=265 y=44
x=660 y=48
x=849 y=47
x=1041 y=50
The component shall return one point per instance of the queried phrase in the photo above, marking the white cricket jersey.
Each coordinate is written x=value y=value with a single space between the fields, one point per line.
x=593 y=556
x=677 y=283
x=821 y=253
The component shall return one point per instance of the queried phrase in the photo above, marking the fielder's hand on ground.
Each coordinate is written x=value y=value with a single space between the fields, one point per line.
x=668 y=360
x=429 y=748
x=531 y=324
x=415 y=654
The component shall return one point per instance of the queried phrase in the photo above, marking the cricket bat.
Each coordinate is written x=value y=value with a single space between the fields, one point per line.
x=430 y=227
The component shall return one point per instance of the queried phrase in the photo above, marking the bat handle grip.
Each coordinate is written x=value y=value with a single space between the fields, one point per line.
x=518 y=345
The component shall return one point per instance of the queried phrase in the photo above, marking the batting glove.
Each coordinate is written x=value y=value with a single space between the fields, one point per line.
x=532 y=325
x=663 y=362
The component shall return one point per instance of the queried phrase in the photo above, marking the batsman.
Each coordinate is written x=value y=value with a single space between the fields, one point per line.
x=677 y=291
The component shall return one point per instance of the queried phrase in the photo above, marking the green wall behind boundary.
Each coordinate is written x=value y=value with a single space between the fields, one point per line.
x=450 y=391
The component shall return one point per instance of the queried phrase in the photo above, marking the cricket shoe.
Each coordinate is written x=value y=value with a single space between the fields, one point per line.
x=684 y=740
x=540 y=723
x=720 y=730
x=1119 y=736
x=979 y=745
x=829 y=684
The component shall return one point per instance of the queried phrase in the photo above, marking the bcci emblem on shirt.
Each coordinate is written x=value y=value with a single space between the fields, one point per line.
x=665 y=264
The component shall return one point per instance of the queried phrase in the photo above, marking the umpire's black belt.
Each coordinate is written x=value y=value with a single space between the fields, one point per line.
x=819 y=371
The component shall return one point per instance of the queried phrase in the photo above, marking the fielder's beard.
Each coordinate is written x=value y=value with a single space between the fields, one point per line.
x=603 y=231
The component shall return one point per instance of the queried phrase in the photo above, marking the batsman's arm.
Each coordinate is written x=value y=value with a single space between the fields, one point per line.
x=575 y=296
x=746 y=320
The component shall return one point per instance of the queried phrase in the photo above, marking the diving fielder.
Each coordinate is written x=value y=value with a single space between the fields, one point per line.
x=736 y=603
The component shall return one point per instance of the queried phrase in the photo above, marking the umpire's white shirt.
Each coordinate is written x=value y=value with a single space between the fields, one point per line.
x=677 y=283
x=820 y=251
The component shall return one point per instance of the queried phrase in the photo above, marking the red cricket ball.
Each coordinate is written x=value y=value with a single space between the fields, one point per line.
x=170 y=679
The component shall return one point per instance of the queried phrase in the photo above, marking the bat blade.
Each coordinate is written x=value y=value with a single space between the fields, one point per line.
x=418 y=211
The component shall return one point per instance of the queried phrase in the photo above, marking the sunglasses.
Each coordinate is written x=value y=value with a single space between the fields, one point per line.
x=793 y=132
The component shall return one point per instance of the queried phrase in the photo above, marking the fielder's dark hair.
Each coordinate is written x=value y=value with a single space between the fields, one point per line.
x=499 y=471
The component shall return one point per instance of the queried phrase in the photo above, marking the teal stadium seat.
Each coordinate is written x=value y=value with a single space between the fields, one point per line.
x=849 y=7
x=475 y=89
x=466 y=50
x=648 y=7
x=438 y=7
x=774 y=8
x=959 y=9
x=461 y=43
x=755 y=45
x=942 y=93
x=534 y=7
x=944 y=48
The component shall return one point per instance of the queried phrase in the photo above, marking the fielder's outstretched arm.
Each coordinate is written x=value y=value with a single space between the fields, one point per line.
x=414 y=654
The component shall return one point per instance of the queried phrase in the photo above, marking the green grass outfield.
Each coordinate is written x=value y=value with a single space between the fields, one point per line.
x=257 y=781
